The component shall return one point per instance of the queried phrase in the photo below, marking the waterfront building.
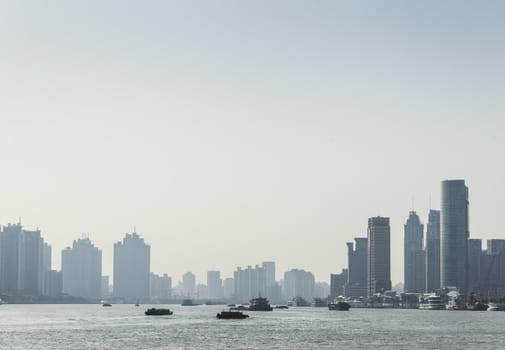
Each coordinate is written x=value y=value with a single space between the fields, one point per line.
x=228 y=287
x=188 y=284
x=81 y=268
x=357 y=264
x=249 y=283
x=414 y=264
x=298 y=283
x=132 y=266
x=338 y=283
x=474 y=260
x=269 y=267
x=105 y=287
x=379 y=255
x=322 y=289
x=202 y=291
x=53 y=284
x=433 y=251
x=454 y=235
x=21 y=261
x=214 y=284
x=492 y=270
x=160 y=287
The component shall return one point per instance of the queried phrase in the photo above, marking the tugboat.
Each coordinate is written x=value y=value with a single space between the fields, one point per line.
x=339 y=306
x=158 y=312
x=231 y=315
x=260 y=304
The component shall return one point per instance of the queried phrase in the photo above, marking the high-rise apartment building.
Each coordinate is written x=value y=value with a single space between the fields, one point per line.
x=81 y=268
x=433 y=251
x=269 y=267
x=357 y=260
x=132 y=266
x=188 y=284
x=414 y=266
x=298 y=283
x=454 y=235
x=249 y=283
x=379 y=255
x=474 y=258
x=214 y=284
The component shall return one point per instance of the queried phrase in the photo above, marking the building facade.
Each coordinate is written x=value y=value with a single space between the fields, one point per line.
x=357 y=260
x=454 y=235
x=414 y=265
x=214 y=284
x=379 y=255
x=298 y=283
x=81 y=268
x=132 y=267
x=433 y=251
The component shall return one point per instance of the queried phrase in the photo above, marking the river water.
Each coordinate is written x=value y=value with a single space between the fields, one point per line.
x=126 y=327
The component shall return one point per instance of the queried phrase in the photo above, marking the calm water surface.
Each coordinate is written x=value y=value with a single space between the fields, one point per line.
x=126 y=327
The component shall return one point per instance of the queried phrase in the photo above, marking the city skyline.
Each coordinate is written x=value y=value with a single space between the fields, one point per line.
x=253 y=123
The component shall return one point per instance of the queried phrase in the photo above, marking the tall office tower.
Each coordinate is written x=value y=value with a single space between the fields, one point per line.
x=474 y=256
x=433 y=251
x=228 y=287
x=214 y=284
x=132 y=265
x=299 y=283
x=188 y=284
x=81 y=268
x=379 y=255
x=454 y=235
x=249 y=283
x=10 y=252
x=269 y=267
x=357 y=260
x=495 y=246
x=413 y=254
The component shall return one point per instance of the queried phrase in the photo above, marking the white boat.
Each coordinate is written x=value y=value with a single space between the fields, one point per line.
x=495 y=307
x=433 y=302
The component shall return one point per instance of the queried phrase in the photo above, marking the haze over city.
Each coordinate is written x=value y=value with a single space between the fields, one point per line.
x=231 y=133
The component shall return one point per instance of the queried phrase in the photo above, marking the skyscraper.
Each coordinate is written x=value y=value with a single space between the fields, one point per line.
x=214 y=284
x=269 y=267
x=454 y=235
x=249 y=283
x=357 y=260
x=413 y=255
x=433 y=251
x=379 y=255
x=298 y=283
x=11 y=247
x=132 y=266
x=474 y=258
x=188 y=284
x=81 y=268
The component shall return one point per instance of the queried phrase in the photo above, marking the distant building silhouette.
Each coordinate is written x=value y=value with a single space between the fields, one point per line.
x=81 y=268
x=160 y=287
x=21 y=261
x=413 y=253
x=105 y=288
x=433 y=251
x=132 y=264
x=298 y=283
x=357 y=263
x=269 y=267
x=249 y=283
x=188 y=284
x=454 y=235
x=229 y=287
x=379 y=255
x=214 y=284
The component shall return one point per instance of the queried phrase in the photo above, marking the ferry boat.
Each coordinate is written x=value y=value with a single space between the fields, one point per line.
x=231 y=315
x=433 y=302
x=339 y=306
x=260 y=304
x=158 y=312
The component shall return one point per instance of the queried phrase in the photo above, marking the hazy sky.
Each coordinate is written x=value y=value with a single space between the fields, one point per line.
x=232 y=132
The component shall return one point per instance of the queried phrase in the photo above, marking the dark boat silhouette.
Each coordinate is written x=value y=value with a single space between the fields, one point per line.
x=260 y=304
x=158 y=312
x=106 y=304
x=231 y=315
x=339 y=306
